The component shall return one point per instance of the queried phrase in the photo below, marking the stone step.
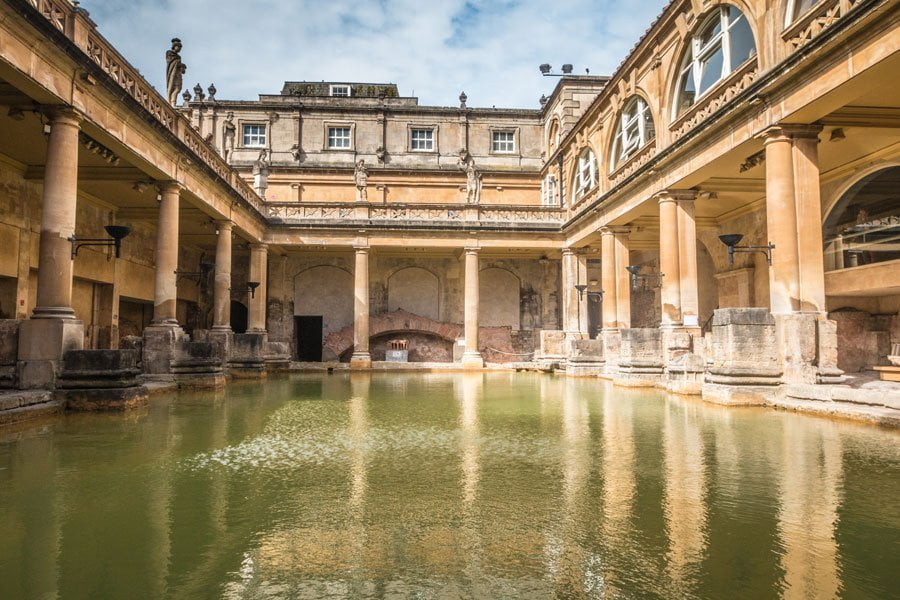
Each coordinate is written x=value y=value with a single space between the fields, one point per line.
x=13 y=399
x=31 y=411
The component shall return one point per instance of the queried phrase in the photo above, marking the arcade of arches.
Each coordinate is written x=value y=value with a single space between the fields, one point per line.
x=584 y=235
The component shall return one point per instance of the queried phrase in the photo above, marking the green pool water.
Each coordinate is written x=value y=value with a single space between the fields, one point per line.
x=447 y=486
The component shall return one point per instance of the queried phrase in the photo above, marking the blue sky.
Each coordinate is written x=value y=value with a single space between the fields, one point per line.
x=433 y=48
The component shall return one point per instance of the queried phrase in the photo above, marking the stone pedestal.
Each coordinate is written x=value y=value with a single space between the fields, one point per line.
x=745 y=365
x=247 y=358
x=42 y=345
x=585 y=359
x=9 y=352
x=101 y=380
x=552 y=351
x=198 y=365
x=808 y=345
x=278 y=356
x=640 y=358
x=222 y=339
x=612 y=346
x=161 y=342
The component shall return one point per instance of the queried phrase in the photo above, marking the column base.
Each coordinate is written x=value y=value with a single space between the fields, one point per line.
x=53 y=312
x=42 y=344
x=472 y=360
x=361 y=360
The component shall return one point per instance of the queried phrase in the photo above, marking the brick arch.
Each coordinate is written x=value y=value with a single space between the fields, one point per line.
x=399 y=322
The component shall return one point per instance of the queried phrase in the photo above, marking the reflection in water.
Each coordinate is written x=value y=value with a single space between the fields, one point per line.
x=618 y=481
x=685 y=489
x=810 y=493
x=465 y=485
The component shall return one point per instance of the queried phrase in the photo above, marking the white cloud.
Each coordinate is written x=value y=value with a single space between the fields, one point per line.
x=489 y=48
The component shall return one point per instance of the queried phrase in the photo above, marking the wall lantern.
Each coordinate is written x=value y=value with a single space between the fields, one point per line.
x=640 y=281
x=251 y=287
x=116 y=234
x=733 y=239
x=596 y=294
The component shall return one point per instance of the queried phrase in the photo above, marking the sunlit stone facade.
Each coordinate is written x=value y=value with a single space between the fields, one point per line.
x=334 y=221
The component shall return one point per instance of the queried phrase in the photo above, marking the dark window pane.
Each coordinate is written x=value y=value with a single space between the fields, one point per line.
x=688 y=92
x=711 y=70
x=742 y=46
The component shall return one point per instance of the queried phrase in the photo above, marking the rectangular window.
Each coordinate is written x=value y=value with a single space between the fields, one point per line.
x=503 y=141
x=340 y=90
x=339 y=138
x=255 y=136
x=422 y=140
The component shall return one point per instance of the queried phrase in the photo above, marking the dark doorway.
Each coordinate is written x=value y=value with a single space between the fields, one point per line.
x=594 y=308
x=308 y=332
x=238 y=317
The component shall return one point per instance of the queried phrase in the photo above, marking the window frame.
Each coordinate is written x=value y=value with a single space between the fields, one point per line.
x=627 y=123
x=265 y=134
x=414 y=127
x=332 y=87
x=586 y=164
x=549 y=191
x=697 y=53
x=514 y=139
x=791 y=15
x=328 y=126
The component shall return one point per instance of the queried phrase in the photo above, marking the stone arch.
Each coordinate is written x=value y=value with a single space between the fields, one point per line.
x=415 y=290
x=499 y=298
x=339 y=343
x=553 y=136
x=673 y=72
x=325 y=291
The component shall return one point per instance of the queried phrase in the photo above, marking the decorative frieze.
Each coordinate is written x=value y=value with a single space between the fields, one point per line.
x=417 y=213
x=821 y=18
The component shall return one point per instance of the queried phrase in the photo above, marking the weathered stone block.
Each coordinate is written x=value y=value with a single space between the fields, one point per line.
x=159 y=348
x=247 y=358
x=9 y=352
x=743 y=347
x=42 y=344
x=198 y=365
x=101 y=380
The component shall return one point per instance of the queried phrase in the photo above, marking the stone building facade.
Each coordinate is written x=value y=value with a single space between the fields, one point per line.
x=324 y=221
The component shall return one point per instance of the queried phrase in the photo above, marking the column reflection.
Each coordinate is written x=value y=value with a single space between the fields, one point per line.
x=358 y=429
x=471 y=391
x=811 y=490
x=685 y=492
x=619 y=481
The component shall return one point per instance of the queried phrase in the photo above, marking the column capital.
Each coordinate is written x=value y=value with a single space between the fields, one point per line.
x=224 y=225
x=675 y=196
x=169 y=187
x=64 y=114
x=783 y=132
x=472 y=249
x=616 y=230
x=361 y=248
x=260 y=246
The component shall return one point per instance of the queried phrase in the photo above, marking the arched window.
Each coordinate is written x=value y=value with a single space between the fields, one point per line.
x=797 y=8
x=585 y=175
x=722 y=44
x=548 y=191
x=635 y=130
x=552 y=136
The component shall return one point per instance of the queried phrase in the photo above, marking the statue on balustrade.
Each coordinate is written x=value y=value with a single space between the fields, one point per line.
x=473 y=182
x=228 y=135
x=175 y=70
x=361 y=177
x=261 y=173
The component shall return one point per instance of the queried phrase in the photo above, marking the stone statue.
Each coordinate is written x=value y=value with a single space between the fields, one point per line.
x=228 y=135
x=361 y=176
x=473 y=183
x=261 y=173
x=175 y=70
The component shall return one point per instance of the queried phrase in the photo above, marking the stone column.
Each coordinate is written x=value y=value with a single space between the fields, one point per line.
x=809 y=211
x=165 y=296
x=669 y=263
x=472 y=356
x=361 y=359
x=608 y=278
x=687 y=261
x=53 y=329
x=222 y=285
x=258 y=272
x=570 y=294
x=59 y=202
x=623 y=278
x=781 y=222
